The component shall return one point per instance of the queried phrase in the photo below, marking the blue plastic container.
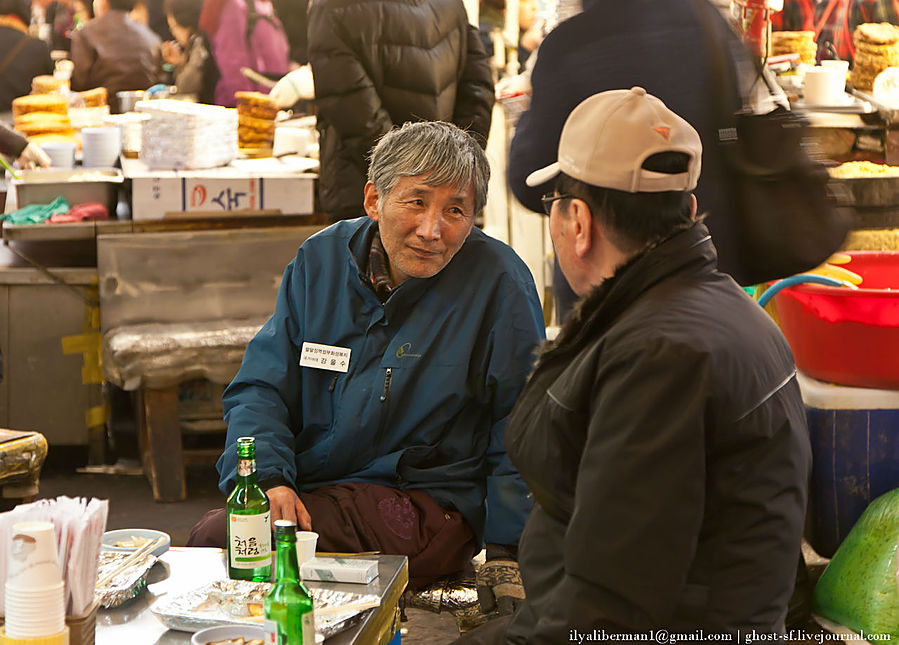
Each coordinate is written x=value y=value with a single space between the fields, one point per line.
x=854 y=434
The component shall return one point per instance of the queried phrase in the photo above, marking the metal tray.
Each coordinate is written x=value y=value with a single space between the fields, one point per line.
x=870 y=191
x=77 y=186
x=239 y=602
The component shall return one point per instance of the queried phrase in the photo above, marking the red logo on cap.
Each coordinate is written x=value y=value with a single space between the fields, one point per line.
x=665 y=132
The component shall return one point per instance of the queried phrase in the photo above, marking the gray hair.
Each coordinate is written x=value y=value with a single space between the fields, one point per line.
x=448 y=155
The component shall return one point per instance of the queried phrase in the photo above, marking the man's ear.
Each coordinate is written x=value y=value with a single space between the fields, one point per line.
x=370 y=202
x=581 y=226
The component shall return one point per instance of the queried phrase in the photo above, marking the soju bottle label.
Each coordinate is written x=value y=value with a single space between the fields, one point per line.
x=270 y=627
x=308 y=624
x=251 y=540
x=272 y=637
x=246 y=467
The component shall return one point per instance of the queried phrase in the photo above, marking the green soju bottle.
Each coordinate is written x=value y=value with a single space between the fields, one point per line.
x=288 y=605
x=249 y=533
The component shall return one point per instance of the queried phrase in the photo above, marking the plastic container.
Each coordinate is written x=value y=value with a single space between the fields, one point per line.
x=854 y=433
x=78 y=186
x=847 y=336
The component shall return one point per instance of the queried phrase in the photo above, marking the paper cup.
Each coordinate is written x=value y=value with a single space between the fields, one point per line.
x=824 y=86
x=32 y=562
x=61 y=153
x=290 y=141
x=35 y=613
x=842 y=66
x=100 y=147
x=306 y=541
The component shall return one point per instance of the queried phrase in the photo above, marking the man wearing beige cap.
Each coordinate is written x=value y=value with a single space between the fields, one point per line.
x=662 y=433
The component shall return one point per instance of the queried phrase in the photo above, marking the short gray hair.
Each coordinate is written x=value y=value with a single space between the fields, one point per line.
x=448 y=155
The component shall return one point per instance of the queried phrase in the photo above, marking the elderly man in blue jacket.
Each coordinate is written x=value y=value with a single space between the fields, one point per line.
x=397 y=444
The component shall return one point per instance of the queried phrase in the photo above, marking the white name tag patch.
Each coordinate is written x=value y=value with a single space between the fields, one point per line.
x=325 y=357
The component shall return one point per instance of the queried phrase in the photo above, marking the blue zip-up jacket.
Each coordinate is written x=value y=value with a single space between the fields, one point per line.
x=433 y=374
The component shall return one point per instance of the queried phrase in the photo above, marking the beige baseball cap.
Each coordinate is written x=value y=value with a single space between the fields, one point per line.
x=609 y=135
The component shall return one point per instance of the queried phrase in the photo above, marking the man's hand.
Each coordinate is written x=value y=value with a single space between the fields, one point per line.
x=285 y=504
x=499 y=587
x=172 y=53
x=33 y=156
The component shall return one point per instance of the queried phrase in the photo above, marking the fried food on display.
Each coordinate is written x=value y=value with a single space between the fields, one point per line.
x=256 y=114
x=795 y=42
x=877 y=47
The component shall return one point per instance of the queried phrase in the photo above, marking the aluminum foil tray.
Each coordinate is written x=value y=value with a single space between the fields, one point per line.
x=125 y=585
x=239 y=602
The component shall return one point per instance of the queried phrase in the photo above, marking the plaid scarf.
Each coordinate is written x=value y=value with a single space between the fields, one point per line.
x=379 y=269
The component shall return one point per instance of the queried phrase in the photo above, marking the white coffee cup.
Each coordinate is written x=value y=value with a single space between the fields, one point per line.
x=306 y=541
x=290 y=141
x=842 y=66
x=61 y=153
x=824 y=86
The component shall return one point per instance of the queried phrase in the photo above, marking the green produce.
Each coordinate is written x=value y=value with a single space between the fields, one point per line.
x=859 y=587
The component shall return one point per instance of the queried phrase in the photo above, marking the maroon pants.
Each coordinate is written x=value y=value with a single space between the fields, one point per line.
x=357 y=516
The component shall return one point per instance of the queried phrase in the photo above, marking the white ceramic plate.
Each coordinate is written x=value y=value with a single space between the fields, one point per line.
x=225 y=632
x=111 y=540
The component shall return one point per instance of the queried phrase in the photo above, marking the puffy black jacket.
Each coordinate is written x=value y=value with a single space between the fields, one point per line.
x=380 y=63
x=665 y=442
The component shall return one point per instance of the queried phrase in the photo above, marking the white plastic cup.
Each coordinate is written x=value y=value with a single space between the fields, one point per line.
x=824 y=86
x=842 y=66
x=61 y=153
x=32 y=562
x=100 y=147
x=306 y=541
x=290 y=140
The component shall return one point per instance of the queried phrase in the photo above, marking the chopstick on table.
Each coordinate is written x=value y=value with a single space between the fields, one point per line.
x=131 y=559
x=361 y=605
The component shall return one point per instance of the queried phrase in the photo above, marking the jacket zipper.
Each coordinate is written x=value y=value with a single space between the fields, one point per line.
x=385 y=394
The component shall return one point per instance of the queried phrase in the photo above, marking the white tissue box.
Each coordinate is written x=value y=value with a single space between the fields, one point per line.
x=340 y=570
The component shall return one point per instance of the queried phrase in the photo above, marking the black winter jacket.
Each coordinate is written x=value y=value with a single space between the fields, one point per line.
x=664 y=439
x=380 y=63
x=659 y=46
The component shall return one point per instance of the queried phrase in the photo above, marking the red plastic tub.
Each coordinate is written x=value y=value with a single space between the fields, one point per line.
x=846 y=336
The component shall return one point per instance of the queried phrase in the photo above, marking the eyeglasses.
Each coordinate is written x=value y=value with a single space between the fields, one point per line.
x=548 y=200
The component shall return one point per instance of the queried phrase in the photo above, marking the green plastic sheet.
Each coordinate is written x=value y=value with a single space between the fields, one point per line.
x=37 y=213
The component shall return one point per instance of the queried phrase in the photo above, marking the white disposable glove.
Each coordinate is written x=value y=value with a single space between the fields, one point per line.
x=33 y=156
x=294 y=86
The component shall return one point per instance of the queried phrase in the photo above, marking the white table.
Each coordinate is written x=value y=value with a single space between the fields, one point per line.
x=184 y=568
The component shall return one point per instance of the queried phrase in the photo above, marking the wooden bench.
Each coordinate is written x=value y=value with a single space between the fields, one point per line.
x=178 y=306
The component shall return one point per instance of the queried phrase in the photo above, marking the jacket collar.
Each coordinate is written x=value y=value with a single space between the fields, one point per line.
x=689 y=251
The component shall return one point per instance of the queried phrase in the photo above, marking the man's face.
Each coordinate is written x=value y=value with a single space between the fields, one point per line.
x=422 y=227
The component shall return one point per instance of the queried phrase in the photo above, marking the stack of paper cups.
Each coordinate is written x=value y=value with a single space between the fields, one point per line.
x=100 y=147
x=35 y=603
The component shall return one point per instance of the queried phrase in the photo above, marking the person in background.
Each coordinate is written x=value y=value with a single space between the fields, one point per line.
x=244 y=33
x=663 y=432
x=15 y=145
x=293 y=15
x=140 y=14
x=381 y=64
x=400 y=449
x=115 y=52
x=610 y=45
x=195 y=69
x=22 y=57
